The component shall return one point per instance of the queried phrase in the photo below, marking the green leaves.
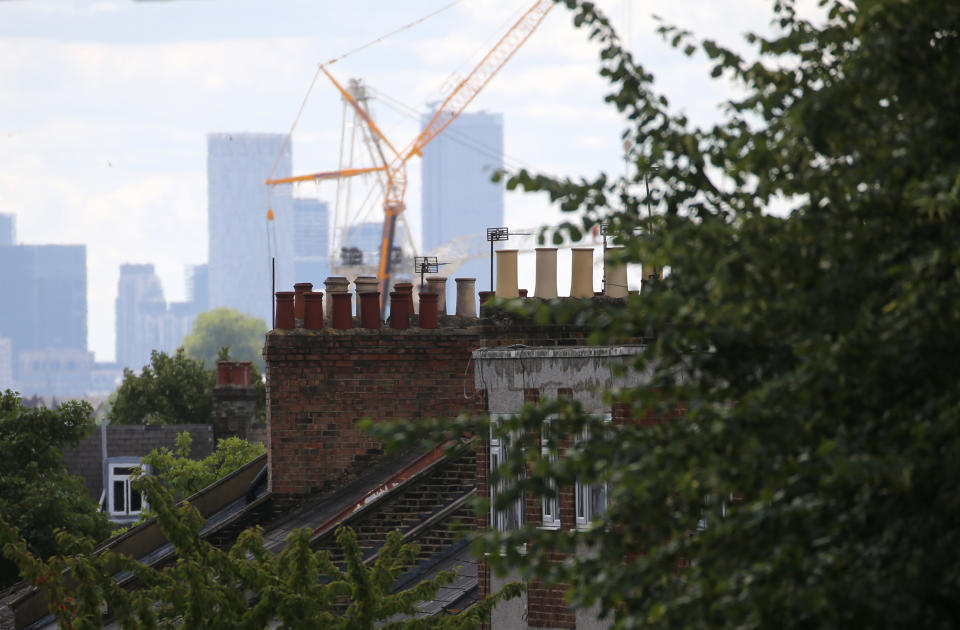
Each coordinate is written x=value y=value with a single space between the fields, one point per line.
x=36 y=494
x=247 y=587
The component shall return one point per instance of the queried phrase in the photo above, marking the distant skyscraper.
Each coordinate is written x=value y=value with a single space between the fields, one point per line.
x=145 y=322
x=6 y=364
x=139 y=298
x=8 y=229
x=43 y=304
x=458 y=197
x=311 y=241
x=198 y=287
x=240 y=245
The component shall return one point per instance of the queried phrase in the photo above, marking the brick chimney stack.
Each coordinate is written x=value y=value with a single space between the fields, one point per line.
x=234 y=400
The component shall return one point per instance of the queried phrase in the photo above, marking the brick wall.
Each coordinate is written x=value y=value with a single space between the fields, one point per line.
x=321 y=384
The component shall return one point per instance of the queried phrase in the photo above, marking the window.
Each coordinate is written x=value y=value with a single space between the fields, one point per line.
x=550 y=507
x=511 y=517
x=591 y=498
x=123 y=502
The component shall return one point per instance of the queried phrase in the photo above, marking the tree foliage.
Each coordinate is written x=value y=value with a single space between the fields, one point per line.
x=36 y=493
x=175 y=390
x=811 y=482
x=184 y=476
x=225 y=327
x=171 y=390
x=247 y=587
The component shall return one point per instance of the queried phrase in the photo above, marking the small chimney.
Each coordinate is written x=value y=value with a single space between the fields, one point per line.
x=614 y=275
x=234 y=400
x=466 y=297
x=285 y=319
x=581 y=282
x=546 y=287
x=334 y=284
x=507 y=274
x=438 y=285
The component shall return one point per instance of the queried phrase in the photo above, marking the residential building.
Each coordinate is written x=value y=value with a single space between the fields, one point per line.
x=323 y=471
x=459 y=199
x=54 y=372
x=243 y=241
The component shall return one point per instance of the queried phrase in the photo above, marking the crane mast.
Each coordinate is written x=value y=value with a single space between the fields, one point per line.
x=395 y=167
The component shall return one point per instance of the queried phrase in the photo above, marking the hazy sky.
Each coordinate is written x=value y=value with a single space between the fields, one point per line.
x=105 y=106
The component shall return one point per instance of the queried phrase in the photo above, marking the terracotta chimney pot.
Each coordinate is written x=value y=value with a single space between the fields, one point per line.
x=298 y=307
x=546 y=286
x=399 y=310
x=438 y=285
x=581 y=282
x=334 y=284
x=466 y=297
x=429 y=303
x=313 y=310
x=370 y=308
x=615 y=276
x=507 y=274
x=285 y=319
x=342 y=311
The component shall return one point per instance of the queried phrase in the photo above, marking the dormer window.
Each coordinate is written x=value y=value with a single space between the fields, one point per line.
x=123 y=502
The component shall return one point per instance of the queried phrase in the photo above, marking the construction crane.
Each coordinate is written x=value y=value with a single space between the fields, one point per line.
x=395 y=166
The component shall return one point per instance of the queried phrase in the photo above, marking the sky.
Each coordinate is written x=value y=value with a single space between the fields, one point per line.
x=105 y=106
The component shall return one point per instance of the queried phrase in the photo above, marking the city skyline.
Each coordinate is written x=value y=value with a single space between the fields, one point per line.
x=122 y=168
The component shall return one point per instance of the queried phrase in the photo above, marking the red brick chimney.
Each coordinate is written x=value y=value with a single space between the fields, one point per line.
x=234 y=400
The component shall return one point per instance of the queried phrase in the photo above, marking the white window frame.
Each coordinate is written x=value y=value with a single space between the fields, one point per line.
x=119 y=471
x=512 y=518
x=589 y=495
x=550 y=503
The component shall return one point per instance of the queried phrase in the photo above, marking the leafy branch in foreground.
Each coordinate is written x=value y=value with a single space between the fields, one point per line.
x=810 y=482
x=246 y=587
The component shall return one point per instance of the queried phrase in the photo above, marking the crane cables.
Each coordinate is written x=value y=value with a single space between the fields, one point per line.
x=313 y=82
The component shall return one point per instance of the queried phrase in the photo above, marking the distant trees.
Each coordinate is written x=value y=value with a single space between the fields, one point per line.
x=170 y=390
x=37 y=496
x=226 y=328
x=247 y=587
x=174 y=390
